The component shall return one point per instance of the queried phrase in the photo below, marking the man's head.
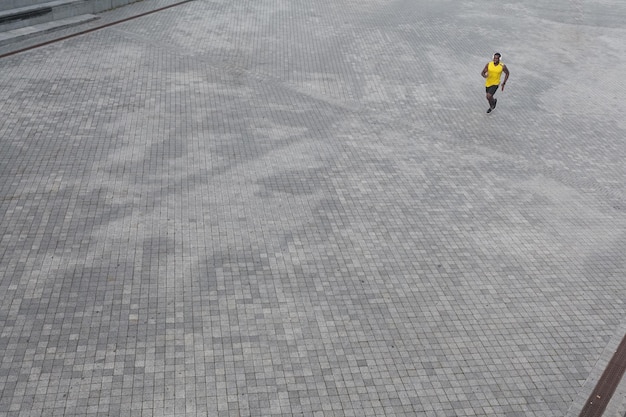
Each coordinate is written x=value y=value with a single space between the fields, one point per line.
x=496 y=57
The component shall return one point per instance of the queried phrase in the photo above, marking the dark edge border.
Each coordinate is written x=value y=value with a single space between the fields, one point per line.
x=607 y=384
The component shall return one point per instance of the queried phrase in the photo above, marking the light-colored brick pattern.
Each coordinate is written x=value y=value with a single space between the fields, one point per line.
x=290 y=208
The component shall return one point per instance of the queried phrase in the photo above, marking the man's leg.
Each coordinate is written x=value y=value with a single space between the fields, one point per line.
x=490 y=92
x=491 y=101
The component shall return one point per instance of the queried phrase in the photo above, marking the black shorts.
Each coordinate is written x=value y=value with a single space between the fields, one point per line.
x=492 y=89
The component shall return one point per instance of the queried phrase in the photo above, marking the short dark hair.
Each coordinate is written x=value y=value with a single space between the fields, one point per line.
x=497 y=53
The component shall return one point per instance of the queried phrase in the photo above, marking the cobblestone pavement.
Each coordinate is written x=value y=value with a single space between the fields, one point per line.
x=283 y=208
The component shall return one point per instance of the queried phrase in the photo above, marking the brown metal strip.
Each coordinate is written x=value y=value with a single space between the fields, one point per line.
x=606 y=386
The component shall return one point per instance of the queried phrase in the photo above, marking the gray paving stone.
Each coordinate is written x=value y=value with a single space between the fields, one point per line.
x=266 y=208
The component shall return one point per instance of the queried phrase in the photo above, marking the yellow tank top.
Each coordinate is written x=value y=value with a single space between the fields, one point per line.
x=493 y=74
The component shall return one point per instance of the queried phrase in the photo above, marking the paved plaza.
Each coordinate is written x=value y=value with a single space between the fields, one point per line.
x=300 y=208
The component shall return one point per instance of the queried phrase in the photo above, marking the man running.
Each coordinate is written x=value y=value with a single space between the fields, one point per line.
x=492 y=72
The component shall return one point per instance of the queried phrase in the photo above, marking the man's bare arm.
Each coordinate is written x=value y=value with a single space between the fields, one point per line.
x=506 y=75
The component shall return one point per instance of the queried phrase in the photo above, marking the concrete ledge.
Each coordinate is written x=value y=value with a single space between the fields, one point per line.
x=16 y=35
x=23 y=13
x=25 y=10
x=11 y=6
x=16 y=4
x=42 y=13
